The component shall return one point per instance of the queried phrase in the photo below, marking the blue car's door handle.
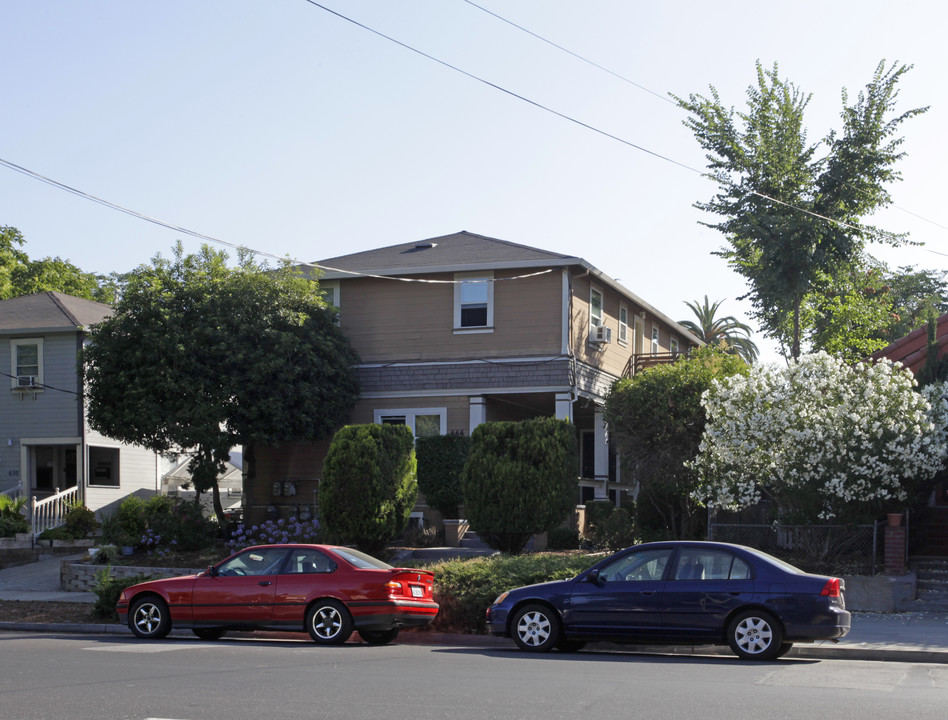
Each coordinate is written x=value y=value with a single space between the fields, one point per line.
x=263 y=583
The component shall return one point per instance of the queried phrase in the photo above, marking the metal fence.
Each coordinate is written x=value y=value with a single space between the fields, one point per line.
x=836 y=549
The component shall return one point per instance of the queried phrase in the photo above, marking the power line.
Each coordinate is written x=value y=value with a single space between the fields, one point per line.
x=570 y=52
x=573 y=120
x=244 y=248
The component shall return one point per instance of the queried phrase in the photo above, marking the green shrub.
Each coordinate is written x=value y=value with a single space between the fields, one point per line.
x=80 y=522
x=108 y=588
x=520 y=479
x=368 y=487
x=466 y=588
x=160 y=524
x=562 y=538
x=608 y=527
x=441 y=461
x=12 y=521
x=176 y=525
x=131 y=520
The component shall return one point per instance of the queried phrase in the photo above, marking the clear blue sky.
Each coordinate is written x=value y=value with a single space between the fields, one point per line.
x=279 y=126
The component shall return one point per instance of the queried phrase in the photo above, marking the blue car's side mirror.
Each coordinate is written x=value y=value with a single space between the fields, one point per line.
x=595 y=577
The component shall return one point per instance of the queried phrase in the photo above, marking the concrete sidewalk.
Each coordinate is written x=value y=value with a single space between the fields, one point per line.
x=905 y=637
x=39 y=581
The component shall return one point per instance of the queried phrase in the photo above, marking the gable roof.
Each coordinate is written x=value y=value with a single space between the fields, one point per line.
x=912 y=350
x=448 y=253
x=466 y=252
x=50 y=312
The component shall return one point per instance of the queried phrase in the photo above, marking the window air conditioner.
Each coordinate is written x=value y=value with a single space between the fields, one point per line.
x=601 y=334
x=25 y=381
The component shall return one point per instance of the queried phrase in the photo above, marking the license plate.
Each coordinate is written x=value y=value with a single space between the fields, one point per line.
x=417 y=591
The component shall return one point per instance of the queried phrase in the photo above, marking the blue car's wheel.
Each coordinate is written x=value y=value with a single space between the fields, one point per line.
x=536 y=628
x=755 y=635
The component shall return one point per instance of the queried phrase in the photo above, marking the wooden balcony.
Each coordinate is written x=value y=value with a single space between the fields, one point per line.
x=638 y=363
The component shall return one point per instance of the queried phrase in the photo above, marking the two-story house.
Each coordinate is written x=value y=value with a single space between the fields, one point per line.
x=46 y=444
x=463 y=329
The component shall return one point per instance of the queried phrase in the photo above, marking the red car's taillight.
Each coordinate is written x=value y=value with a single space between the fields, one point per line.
x=393 y=588
x=831 y=589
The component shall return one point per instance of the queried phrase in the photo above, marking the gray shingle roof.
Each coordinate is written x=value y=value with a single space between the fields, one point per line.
x=448 y=253
x=50 y=311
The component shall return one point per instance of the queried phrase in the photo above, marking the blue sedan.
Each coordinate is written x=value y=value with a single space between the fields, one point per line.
x=695 y=593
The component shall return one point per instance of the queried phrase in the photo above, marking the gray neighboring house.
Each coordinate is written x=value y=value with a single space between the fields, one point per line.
x=46 y=443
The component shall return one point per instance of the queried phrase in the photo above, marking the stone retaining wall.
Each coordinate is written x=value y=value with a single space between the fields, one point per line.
x=80 y=577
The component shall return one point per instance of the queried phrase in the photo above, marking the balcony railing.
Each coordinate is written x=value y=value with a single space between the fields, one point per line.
x=638 y=363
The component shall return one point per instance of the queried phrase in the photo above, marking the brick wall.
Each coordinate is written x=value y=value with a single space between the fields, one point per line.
x=895 y=550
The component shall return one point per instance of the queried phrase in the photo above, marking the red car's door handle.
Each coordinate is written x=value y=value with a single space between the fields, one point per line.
x=264 y=583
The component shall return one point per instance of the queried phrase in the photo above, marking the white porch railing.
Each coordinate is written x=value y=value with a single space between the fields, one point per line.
x=50 y=512
x=13 y=492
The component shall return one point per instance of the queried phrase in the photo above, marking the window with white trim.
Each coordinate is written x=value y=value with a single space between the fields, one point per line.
x=655 y=340
x=473 y=301
x=673 y=346
x=26 y=361
x=595 y=308
x=330 y=292
x=424 y=422
x=623 y=324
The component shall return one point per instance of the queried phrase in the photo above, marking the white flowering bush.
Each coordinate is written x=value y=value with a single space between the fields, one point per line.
x=822 y=438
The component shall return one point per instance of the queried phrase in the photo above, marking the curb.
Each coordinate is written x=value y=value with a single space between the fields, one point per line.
x=489 y=642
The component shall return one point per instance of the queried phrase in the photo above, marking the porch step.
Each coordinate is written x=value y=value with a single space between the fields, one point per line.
x=931 y=584
x=472 y=542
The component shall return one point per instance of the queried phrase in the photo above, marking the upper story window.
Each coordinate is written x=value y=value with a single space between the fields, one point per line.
x=595 y=308
x=654 y=339
x=623 y=324
x=474 y=301
x=673 y=346
x=26 y=361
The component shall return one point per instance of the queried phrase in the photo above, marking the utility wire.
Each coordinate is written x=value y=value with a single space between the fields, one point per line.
x=570 y=52
x=208 y=238
x=573 y=120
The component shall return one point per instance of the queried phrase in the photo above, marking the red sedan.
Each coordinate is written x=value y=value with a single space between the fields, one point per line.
x=325 y=590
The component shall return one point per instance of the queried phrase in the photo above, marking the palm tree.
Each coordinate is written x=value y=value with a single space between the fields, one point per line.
x=728 y=332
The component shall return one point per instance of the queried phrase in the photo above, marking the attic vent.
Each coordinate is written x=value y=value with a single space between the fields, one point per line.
x=425 y=245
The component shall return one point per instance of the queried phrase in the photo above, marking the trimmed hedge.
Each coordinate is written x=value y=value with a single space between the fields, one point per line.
x=520 y=479
x=441 y=461
x=368 y=487
x=466 y=588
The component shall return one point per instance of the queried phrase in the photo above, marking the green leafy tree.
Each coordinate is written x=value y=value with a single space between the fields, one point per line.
x=202 y=356
x=656 y=420
x=21 y=276
x=793 y=210
x=520 y=479
x=822 y=439
x=441 y=460
x=849 y=315
x=726 y=332
x=368 y=487
x=915 y=295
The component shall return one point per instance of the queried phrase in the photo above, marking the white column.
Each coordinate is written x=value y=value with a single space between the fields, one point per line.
x=564 y=406
x=478 y=411
x=601 y=454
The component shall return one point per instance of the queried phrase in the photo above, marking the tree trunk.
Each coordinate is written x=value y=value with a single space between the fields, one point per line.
x=249 y=479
